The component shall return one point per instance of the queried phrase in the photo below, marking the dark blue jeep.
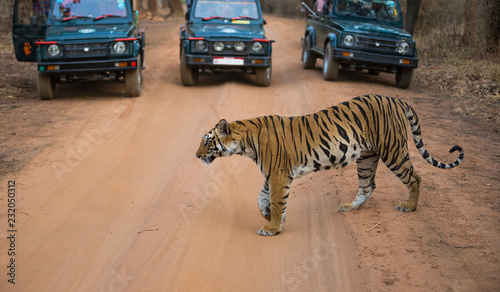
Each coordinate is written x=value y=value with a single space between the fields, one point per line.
x=359 y=34
x=222 y=35
x=79 y=39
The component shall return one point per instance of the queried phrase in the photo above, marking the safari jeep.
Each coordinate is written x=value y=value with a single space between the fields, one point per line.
x=222 y=35
x=79 y=39
x=359 y=35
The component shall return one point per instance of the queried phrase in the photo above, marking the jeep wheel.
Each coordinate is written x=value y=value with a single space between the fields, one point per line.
x=46 y=87
x=308 y=57
x=263 y=76
x=189 y=75
x=133 y=80
x=403 y=78
x=330 y=65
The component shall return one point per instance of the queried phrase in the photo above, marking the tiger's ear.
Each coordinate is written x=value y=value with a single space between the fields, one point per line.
x=223 y=128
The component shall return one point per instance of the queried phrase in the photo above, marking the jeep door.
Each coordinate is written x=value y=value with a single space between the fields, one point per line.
x=28 y=26
x=323 y=28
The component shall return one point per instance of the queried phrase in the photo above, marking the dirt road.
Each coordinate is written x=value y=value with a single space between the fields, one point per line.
x=111 y=197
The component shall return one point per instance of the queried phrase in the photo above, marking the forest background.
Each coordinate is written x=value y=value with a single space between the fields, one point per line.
x=457 y=41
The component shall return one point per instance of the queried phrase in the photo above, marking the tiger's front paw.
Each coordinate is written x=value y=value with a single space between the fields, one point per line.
x=268 y=231
x=405 y=207
x=346 y=207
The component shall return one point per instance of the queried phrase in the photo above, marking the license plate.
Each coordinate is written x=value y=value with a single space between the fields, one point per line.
x=228 y=61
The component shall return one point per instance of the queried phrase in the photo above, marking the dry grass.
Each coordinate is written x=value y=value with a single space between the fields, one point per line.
x=466 y=82
x=471 y=82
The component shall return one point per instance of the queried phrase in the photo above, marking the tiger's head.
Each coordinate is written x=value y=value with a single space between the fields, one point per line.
x=218 y=142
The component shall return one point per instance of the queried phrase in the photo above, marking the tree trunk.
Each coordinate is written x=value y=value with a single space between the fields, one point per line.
x=176 y=7
x=469 y=36
x=152 y=6
x=493 y=33
x=413 y=6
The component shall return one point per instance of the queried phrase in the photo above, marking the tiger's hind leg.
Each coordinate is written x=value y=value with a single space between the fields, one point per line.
x=413 y=185
x=367 y=167
x=401 y=166
x=265 y=201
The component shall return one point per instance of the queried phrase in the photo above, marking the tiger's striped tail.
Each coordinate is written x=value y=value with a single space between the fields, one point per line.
x=412 y=117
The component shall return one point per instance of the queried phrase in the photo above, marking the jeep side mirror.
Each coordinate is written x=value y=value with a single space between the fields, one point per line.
x=265 y=22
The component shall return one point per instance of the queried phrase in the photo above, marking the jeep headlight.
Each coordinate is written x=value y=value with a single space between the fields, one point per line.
x=349 y=40
x=200 y=45
x=218 y=46
x=119 y=47
x=404 y=47
x=239 y=46
x=53 y=50
x=257 y=47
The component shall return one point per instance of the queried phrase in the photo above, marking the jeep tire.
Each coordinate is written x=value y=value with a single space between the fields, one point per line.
x=133 y=80
x=189 y=75
x=308 y=57
x=403 y=78
x=46 y=87
x=263 y=76
x=330 y=65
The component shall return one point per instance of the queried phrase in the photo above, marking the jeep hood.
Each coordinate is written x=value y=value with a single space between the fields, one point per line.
x=373 y=28
x=226 y=30
x=80 y=32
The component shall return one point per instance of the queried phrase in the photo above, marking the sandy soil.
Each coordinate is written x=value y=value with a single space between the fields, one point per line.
x=110 y=195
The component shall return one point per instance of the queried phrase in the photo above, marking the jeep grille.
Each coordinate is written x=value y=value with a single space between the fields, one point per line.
x=86 y=50
x=377 y=44
x=229 y=49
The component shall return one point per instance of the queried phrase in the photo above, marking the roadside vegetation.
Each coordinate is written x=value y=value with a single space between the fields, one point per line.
x=452 y=40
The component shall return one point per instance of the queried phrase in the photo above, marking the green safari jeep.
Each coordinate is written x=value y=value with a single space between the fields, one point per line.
x=360 y=35
x=79 y=39
x=224 y=35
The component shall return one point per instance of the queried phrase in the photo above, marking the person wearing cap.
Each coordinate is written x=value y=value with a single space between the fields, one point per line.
x=380 y=9
x=361 y=7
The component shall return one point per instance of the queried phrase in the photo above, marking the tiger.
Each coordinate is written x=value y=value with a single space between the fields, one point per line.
x=365 y=129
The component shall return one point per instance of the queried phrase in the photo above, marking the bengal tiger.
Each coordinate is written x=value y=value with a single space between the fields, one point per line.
x=365 y=129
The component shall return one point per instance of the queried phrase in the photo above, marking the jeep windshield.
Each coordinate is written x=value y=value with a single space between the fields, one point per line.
x=372 y=9
x=65 y=10
x=226 y=9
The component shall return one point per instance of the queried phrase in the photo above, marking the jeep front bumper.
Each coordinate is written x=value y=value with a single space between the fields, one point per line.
x=374 y=59
x=227 y=62
x=94 y=66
